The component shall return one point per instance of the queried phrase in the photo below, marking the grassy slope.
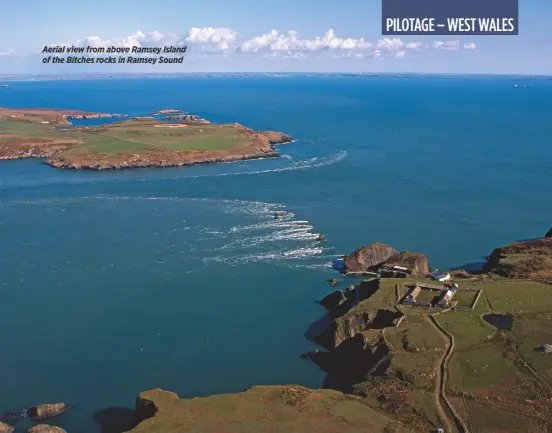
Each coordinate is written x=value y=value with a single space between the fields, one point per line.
x=263 y=409
x=143 y=138
x=488 y=383
x=415 y=348
x=486 y=362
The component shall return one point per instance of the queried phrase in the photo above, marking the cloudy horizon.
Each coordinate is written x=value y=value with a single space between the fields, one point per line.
x=332 y=41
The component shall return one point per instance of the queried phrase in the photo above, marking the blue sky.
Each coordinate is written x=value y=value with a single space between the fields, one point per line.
x=223 y=27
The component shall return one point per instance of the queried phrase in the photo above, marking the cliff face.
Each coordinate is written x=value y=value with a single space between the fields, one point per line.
x=375 y=256
x=417 y=263
x=365 y=258
x=353 y=323
x=283 y=409
x=529 y=259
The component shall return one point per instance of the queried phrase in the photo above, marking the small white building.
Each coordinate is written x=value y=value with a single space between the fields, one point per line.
x=440 y=276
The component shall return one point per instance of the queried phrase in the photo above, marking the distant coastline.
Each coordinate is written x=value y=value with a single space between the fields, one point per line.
x=128 y=76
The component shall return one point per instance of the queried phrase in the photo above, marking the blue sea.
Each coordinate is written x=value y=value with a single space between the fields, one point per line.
x=116 y=282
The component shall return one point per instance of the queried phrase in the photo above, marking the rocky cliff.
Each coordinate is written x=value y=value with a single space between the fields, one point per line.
x=417 y=263
x=529 y=259
x=355 y=322
x=375 y=256
x=365 y=258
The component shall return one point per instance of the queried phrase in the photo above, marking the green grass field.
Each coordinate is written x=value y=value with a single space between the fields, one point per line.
x=285 y=409
x=25 y=129
x=150 y=138
x=136 y=136
x=464 y=298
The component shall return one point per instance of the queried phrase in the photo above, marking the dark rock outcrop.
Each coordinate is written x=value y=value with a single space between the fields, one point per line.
x=44 y=411
x=334 y=300
x=417 y=263
x=339 y=302
x=353 y=323
x=461 y=273
x=365 y=258
x=353 y=361
x=45 y=428
x=6 y=428
x=528 y=259
x=548 y=233
x=147 y=407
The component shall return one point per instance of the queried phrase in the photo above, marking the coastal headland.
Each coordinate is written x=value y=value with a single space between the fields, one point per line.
x=150 y=141
x=399 y=360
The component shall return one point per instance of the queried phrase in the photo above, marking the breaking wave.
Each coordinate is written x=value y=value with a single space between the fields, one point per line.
x=303 y=164
x=97 y=178
x=295 y=254
x=201 y=230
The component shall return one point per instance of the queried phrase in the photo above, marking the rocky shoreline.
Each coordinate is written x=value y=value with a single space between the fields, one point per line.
x=356 y=360
x=161 y=159
x=353 y=360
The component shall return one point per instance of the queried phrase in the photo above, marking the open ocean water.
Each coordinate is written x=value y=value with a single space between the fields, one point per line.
x=116 y=282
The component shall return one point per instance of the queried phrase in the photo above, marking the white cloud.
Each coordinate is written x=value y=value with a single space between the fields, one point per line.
x=447 y=45
x=298 y=55
x=390 y=44
x=10 y=52
x=225 y=41
x=210 y=39
x=291 y=41
x=416 y=46
x=138 y=39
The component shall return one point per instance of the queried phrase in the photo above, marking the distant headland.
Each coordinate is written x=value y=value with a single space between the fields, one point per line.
x=166 y=138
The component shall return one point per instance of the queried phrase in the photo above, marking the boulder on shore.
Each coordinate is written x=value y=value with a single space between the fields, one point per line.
x=545 y=348
x=461 y=273
x=6 y=428
x=365 y=258
x=417 y=263
x=528 y=259
x=43 y=411
x=548 y=233
x=45 y=428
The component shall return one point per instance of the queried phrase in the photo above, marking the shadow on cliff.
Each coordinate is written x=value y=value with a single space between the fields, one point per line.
x=338 y=303
x=472 y=267
x=115 y=419
x=352 y=362
x=348 y=361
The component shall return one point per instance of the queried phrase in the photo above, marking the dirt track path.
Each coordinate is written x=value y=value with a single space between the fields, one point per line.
x=440 y=392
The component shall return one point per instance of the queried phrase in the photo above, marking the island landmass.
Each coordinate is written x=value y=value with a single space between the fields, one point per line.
x=149 y=141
